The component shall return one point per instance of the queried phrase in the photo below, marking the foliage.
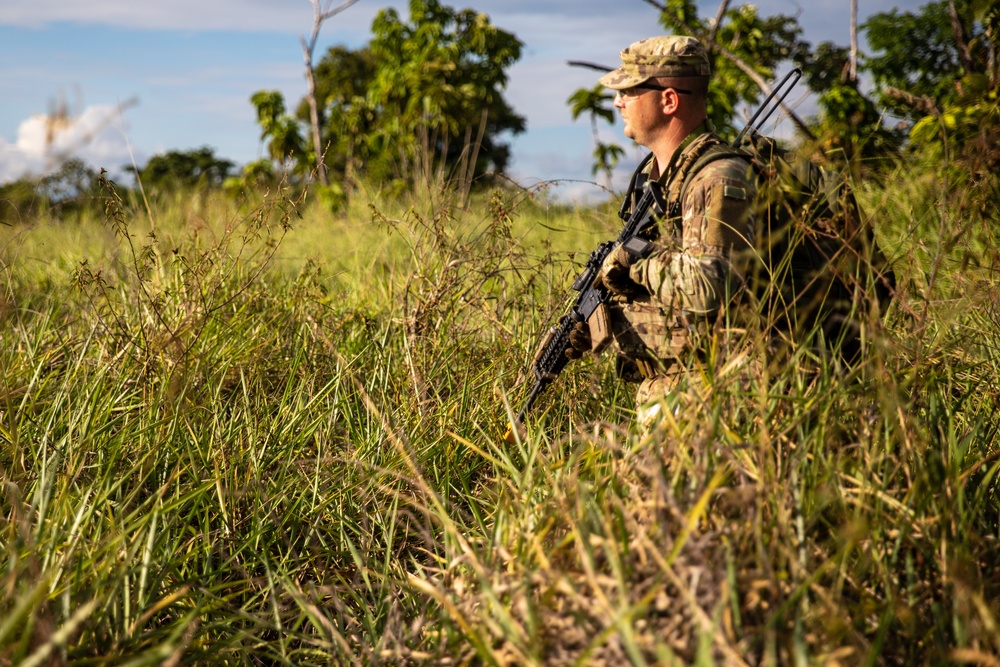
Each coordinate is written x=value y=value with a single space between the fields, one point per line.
x=440 y=79
x=177 y=170
x=342 y=80
x=422 y=102
x=851 y=131
x=975 y=116
x=285 y=144
x=267 y=435
x=20 y=200
x=919 y=53
x=591 y=101
x=938 y=68
x=71 y=189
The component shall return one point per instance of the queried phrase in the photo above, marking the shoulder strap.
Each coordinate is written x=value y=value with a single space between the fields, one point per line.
x=638 y=180
x=714 y=152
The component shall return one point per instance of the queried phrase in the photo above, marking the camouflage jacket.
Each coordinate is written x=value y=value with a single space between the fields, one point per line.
x=695 y=270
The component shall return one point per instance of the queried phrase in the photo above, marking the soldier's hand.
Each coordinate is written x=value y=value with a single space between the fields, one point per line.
x=615 y=273
x=579 y=341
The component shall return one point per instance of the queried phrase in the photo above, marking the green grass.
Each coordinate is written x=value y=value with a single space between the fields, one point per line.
x=270 y=435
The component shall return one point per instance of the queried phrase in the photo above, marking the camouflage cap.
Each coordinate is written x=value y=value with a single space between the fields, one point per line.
x=670 y=56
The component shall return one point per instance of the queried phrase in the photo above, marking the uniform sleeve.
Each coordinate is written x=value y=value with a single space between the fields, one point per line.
x=702 y=274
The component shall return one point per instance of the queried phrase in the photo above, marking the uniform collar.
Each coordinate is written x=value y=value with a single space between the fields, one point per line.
x=666 y=174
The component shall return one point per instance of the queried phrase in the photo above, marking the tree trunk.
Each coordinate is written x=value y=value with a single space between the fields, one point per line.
x=854 y=41
x=314 y=117
x=308 y=47
x=474 y=157
x=961 y=44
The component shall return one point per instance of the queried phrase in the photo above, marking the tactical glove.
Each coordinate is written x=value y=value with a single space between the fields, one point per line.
x=579 y=341
x=616 y=273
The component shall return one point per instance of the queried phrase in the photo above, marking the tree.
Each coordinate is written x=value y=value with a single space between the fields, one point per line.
x=72 y=188
x=437 y=92
x=592 y=101
x=174 y=170
x=320 y=15
x=850 y=128
x=916 y=58
x=423 y=100
x=937 y=68
x=342 y=78
x=280 y=130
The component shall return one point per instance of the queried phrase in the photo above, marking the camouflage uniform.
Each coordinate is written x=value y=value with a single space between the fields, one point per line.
x=666 y=330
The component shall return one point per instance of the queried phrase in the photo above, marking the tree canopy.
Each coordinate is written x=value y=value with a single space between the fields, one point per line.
x=424 y=99
x=935 y=69
x=174 y=170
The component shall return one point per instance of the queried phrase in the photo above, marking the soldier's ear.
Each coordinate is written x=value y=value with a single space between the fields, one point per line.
x=670 y=101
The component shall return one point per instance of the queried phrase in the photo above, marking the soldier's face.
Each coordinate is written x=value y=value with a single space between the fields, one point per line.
x=640 y=108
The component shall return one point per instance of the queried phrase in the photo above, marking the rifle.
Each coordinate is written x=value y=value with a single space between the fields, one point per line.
x=551 y=358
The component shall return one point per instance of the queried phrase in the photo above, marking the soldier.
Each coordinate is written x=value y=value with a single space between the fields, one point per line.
x=670 y=306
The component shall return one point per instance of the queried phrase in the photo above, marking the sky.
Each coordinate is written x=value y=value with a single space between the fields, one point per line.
x=140 y=78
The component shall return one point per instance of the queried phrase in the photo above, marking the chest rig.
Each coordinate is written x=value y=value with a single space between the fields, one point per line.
x=672 y=179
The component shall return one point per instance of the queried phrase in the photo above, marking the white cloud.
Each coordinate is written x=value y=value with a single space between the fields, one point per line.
x=97 y=136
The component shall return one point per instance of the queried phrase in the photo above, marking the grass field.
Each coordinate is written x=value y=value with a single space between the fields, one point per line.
x=256 y=433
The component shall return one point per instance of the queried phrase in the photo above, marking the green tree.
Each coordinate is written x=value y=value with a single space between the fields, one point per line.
x=596 y=103
x=174 y=170
x=937 y=68
x=916 y=57
x=342 y=78
x=281 y=131
x=850 y=128
x=422 y=101
x=71 y=189
x=438 y=94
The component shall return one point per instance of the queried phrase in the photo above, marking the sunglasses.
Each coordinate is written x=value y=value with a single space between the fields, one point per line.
x=632 y=91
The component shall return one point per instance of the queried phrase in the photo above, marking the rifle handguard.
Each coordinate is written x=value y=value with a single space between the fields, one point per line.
x=550 y=358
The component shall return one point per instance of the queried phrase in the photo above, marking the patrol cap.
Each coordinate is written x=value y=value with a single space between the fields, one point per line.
x=670 y=56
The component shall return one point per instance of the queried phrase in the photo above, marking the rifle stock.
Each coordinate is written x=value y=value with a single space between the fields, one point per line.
x=551 y=358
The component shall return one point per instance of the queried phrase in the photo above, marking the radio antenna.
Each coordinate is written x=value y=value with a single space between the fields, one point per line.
x=754 y=129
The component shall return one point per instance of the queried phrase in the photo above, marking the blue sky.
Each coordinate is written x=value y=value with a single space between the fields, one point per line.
x=139 y=78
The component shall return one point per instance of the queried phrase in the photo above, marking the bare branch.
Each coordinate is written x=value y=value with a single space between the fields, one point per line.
x=583 y=63
x=717 y=23
x=756 y=78
x=320 y=14
x=330 y=13
x=923 y=104
x=961 y=44
x=854 y=41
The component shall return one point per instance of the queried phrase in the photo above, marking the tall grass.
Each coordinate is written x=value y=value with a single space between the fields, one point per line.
x=260 y=434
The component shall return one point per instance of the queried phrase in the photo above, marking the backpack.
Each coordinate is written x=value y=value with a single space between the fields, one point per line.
x=817 y=268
